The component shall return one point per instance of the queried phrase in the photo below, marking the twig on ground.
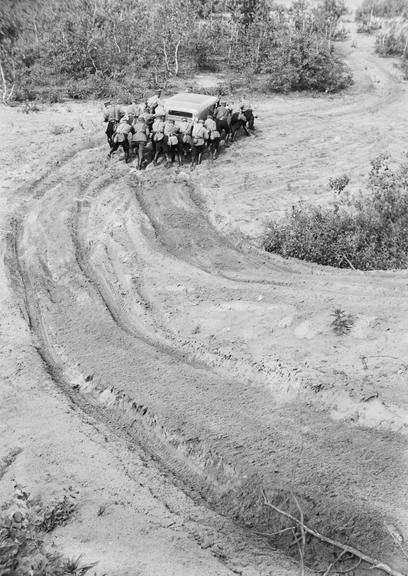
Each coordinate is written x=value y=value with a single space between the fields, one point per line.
x=364 y=557
x=397 y=542
x=334 y=562
x=299 y=547
x=351 y=569
x=302 y=532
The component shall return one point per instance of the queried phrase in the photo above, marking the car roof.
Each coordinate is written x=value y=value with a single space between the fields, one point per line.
x=190 y=102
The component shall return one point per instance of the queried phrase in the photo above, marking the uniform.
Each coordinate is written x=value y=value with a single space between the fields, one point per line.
x=184 y=137
x=158 y=137
x=247 y=111
x=171 y=141
x=139 y=139
x=154 y=101
x=121 y=138
x=112 y=115
x=222 y=117
x=199 y=136
x=211 y=126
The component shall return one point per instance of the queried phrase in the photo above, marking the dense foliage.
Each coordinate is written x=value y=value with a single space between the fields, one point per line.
x=382 y=9
x=85 y=48
x=368 y=232
x=392 y=40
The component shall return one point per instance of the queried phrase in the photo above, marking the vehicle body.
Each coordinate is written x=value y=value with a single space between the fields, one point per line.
x=189 y=106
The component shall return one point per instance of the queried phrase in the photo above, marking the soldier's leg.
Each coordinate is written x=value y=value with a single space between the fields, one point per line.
x=115 y=146
x=125 y=146
x=140 y=151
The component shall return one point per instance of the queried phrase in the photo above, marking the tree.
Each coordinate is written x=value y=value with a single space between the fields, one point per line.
x=173 y=27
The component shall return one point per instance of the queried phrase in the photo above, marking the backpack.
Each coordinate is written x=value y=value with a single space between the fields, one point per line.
x=198 y=135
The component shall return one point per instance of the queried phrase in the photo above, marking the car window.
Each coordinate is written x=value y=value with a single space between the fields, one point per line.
x=180 y=113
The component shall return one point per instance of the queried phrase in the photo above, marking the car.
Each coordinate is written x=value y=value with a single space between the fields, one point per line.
x=189 y=106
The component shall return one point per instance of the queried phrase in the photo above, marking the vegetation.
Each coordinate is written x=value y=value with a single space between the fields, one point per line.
x=342 y=322
x=366 y=232
x=83 y=48
x=389 y=18
x=22 y=548
x=392 y=40
x=382 y=9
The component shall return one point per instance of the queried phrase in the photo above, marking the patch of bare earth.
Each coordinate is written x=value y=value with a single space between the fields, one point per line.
x=162 y=364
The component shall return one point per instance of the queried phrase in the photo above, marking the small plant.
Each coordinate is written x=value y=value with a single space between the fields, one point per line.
x=59 y=513
x=22 y=548
x=342 y=323
x=58 y=130
x=76 y=568
x=28 y=107
x=339 y=183
x=102 y=509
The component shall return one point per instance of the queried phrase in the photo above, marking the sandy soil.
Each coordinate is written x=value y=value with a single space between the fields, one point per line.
x=157 y=360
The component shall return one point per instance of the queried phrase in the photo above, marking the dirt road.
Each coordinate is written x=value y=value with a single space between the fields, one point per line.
x=160 y=324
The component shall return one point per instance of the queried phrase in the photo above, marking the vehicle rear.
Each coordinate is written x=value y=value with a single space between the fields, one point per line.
x=189 y=107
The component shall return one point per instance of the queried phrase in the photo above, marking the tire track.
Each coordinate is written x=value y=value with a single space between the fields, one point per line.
x=105 y=340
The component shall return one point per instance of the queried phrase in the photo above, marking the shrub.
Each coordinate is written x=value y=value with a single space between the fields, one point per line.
x=367 y=232
x=342 y=323
x=22 y=548
x=381 y=9
x=339 y=183
x=392 y=40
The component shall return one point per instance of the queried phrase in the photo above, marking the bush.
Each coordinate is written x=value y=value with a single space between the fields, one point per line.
x=22 y=548
x=381 y=9
x=393 y=39
x=368 y=232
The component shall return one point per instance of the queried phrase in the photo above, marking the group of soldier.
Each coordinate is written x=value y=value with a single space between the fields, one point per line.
x=144 y=127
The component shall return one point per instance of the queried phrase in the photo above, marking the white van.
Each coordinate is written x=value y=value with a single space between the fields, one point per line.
x=188 y=106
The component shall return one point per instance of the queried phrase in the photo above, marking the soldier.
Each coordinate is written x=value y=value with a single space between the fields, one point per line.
x=171 y=142
x=214 y=136
x=184 y=138
x=121 y=137
x=158 y=137
x=238 y=120
x=134 y=111
x=154 y=100
x=222 y=116
x=199 y=137
x=247 y=111
x=148 y=116
x=139 y=139
x=112 y=115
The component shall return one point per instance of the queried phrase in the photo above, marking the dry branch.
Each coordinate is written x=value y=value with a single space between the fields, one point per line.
x=356 y=565
x=397 y=542
x=377 y=564
x=302 y=534
x=348 y=262
x=334 y=562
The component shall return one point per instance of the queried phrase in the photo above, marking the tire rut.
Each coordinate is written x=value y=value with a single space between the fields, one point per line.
x=172 y=425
